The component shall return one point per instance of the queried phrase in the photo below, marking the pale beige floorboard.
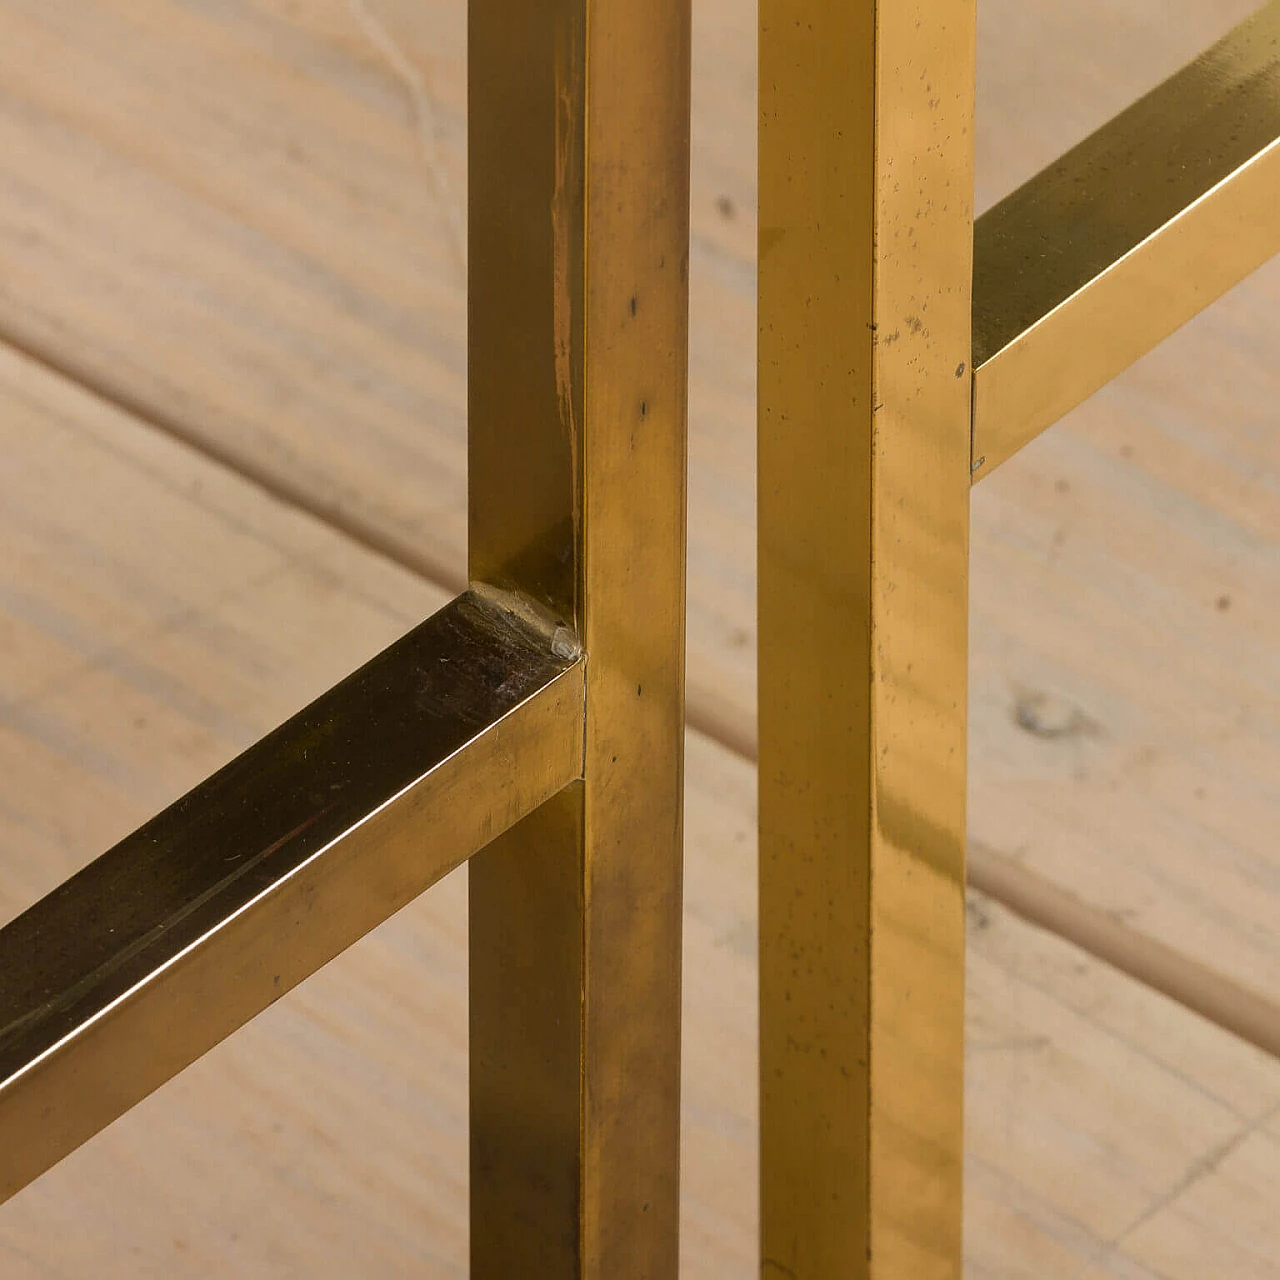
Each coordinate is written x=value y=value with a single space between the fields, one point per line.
x=243 y=217
x=1184 y=1237
x=158 y=612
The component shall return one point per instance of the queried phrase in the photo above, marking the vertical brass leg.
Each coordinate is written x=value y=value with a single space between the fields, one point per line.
x=866 y=114
x=579 y=118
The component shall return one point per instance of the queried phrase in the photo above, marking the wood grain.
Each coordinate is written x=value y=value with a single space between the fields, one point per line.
x=242 y=218
x=157 y=612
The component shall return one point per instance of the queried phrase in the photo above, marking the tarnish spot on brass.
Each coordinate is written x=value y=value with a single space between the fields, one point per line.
x=769 y=237
x=562 y=204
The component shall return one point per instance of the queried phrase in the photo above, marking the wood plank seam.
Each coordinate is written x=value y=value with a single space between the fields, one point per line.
x=423 y=103
x=1030 y=896
x=1047 y=1088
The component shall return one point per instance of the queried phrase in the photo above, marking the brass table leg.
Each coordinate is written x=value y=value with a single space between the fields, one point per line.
x=866 y=229
x=579 y=144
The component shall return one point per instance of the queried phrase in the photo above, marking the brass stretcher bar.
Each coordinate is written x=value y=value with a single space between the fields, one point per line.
x=535 y=726
x=198 y=921
x=1105 y=253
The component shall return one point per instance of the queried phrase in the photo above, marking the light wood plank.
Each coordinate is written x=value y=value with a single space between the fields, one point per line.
x=159 y=613
x=1125 y=690
x=242 y=216
x=1182 y=1236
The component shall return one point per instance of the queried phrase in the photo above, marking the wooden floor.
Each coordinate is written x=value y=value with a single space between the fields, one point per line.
x=232 y=365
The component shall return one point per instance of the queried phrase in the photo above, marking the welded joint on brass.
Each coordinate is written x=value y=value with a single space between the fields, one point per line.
x=975 y=464
x=564 y=644
x=515 y=609
x=529 y=616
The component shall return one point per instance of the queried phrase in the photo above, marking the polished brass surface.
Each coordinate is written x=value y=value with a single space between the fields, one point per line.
x=1103 y=254
x=866 y=179
x=540 y=714
x=578 y=235
x=184 y=931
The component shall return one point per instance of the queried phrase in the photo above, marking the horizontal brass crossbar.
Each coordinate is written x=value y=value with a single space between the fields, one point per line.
x=1105 y=253
x=133 y=968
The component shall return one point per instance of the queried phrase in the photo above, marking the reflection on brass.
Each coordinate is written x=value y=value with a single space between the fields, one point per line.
x=877 y=407
x=1095 y=260
x=540 y=714
x=578 y=233
x=536 y=722
x=185 y=930
x=866 y=130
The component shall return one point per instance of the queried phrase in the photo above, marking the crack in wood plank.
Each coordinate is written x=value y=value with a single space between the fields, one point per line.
x=426 y=121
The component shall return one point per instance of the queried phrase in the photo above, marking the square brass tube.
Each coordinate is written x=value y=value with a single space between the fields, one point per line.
x=579 y=240
x=877 y=408
x=549 y=696
x=535 y=725
x=1105 y=253
x=866 y=232
x=216 y=908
